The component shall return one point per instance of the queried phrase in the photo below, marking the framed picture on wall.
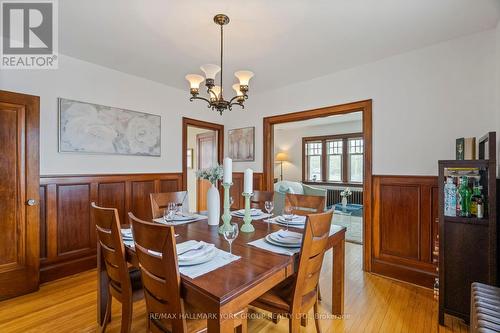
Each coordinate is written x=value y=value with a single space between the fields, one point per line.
x=241 y=143
x=99 y=129
x=190 y=158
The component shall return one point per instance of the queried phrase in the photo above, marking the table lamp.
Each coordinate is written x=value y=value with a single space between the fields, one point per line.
x=281 y=157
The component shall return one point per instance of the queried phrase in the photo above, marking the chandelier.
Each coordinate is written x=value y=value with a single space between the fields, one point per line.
x=215 y=98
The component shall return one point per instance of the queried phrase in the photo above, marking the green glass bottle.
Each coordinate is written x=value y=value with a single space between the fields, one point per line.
x=465 y=196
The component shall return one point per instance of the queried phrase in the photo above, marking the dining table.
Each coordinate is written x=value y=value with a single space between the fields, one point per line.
x=225 y=291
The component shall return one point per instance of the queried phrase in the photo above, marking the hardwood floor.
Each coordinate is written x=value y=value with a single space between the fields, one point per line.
x=372 y=304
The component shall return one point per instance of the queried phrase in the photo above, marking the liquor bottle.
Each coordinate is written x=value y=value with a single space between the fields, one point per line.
x=450 y=198
x=465 y=196
x=476 y=200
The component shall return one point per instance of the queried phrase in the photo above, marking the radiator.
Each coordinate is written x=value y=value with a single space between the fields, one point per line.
x=333 y=197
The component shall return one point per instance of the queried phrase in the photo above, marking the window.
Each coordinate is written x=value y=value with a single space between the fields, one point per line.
x=355 y=160
x=333 y=159
x=314 y=156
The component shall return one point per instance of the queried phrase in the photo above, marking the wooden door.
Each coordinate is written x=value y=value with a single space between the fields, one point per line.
x=207 y=156
x=19 y=194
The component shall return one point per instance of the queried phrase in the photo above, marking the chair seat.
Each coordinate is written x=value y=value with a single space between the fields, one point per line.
x=278 y=298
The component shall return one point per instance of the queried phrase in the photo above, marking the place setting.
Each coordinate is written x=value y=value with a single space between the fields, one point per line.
x=282 y=242
x=289 y=219
x=173 y=215
x=196 y=258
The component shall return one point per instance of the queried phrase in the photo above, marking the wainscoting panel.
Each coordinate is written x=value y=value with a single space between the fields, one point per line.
x=67 y=232
x=405 y=209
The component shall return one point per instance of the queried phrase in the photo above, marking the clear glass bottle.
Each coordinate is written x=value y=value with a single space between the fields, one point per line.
x=450 y=198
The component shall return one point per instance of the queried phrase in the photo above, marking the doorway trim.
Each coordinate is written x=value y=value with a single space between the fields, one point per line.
x=186 y=122
x=362 y=106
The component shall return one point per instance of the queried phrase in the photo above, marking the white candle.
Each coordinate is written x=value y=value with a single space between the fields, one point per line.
x=248 y=187
x=228 y=170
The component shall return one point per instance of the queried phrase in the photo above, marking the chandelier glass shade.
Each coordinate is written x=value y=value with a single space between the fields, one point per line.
x=215 y=93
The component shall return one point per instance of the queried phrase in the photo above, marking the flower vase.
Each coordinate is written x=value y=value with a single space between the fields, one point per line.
x=213 y=205
x=344 y=202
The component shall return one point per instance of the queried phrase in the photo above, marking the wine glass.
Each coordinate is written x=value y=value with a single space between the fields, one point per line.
x=169 y=212
x=230 y=235
x=269 y=206
x=288 y=215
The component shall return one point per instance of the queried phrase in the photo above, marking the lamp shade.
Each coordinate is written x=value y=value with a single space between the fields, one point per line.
x=195 y=80
x=210 y=70
x=216 y=90
x=244 y=77
x=236 y=88
x=281 y=157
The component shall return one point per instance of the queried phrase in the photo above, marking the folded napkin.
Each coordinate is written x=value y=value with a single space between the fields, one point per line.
x=295 y=219
x=127 y=233
x=253 y=212
x=263 y=244
x=289 y=237
x=194 y=251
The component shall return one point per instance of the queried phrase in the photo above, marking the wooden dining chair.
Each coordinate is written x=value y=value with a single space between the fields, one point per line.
x=259 y=199
x=159 y=202
x=124 y=284
x=305 y=204
x=155 y=247
x=294 y=297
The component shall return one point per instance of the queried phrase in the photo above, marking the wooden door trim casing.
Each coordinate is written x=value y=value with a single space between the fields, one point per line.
x=362 y=106
x=186 y=122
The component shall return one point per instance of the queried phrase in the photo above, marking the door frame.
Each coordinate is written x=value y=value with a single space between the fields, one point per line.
x=186 y=122
x=362 y=106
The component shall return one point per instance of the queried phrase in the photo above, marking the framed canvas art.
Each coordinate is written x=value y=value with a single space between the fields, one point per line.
x=98 y=129
x=241 y=143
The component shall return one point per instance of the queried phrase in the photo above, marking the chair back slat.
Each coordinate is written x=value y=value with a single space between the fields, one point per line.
x=160 y=274
x=111 y=247
x=305 y=204
x=259 y=199
x=159 y=202
x=314 y=244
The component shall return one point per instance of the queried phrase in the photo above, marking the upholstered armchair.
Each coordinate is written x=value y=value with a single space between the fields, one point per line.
x=283 y=187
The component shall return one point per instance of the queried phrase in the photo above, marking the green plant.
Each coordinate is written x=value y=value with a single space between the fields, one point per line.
x=212 y=174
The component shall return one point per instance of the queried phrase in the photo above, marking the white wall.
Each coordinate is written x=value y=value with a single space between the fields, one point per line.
x=79 y=80
x=422 y=101
x=290 y=141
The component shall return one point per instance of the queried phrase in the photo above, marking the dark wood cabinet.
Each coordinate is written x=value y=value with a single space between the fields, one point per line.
x=468 y=245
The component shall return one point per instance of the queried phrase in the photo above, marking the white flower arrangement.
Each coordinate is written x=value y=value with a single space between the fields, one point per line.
x=346 y=193
x=212 y=174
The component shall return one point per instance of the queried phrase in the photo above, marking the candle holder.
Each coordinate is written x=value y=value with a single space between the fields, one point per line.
x=226 y=217
x=247 y=219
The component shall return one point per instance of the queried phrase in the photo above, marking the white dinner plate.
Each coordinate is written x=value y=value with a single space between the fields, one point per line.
x=295 y=221
x=270 y=240
x=253 y=212
x=209 y=256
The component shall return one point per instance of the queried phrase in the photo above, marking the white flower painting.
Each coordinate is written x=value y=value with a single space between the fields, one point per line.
x=92 y=128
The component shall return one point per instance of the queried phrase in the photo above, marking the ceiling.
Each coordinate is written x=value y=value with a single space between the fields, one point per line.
x=335 y=119
x=282 y=41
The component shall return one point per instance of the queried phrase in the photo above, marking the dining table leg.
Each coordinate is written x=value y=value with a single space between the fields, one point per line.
x=102 y=289
x=220 y=319
x=338 y=273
